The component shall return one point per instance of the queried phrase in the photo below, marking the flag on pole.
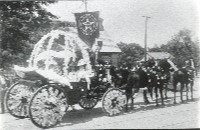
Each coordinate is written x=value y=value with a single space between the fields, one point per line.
x=88 y=26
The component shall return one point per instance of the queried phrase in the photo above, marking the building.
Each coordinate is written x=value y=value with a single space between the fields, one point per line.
x=109 y=51
x=158 y=56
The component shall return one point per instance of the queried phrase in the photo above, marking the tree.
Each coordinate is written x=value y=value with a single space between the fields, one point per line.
x=183 y=48
x=130 y=52
x=19 y=21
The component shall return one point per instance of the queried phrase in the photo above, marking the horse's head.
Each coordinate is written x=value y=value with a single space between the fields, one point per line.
x=165 y=65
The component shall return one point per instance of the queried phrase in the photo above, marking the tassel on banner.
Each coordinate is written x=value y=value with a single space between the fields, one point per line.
x=101 y=27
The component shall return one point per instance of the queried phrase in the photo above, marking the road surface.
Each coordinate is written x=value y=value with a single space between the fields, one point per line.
x=170 y=116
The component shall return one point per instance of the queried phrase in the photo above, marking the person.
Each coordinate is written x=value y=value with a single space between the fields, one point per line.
x=3 y=89
x=83 y=73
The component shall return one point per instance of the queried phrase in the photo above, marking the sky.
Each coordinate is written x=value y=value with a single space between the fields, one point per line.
x=123 y=19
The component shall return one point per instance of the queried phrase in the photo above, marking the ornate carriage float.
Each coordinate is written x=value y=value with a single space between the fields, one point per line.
x=60 y=75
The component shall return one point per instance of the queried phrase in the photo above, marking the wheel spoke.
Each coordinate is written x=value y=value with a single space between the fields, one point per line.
x=47 y=106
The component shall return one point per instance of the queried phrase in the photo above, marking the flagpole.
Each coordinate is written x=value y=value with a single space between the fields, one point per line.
x=145 y=38
x=85 y=1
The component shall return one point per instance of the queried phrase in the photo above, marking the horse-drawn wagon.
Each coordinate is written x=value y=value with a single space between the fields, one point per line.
x=60 y=74
x=47 y=88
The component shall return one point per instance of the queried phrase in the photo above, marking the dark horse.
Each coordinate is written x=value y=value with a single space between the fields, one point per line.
x=184 y=76
x=158 y=78
x=128 y=80
x=166 y=69
x=159 y=83
x=136 y=80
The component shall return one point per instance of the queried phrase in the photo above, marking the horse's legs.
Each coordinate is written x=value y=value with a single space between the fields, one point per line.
x=191 y=85
x=161 y=93
x=126 y=108
x=132 y=102
x=186 y=85
x=166 y=87
x=150 y=89
x=175 y=86
x=156 y=93
x=2 y=107
x=145 y=97
x=181 y=91
x=129 y=93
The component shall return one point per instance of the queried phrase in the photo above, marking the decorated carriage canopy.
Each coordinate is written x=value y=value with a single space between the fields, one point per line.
x=60 y=56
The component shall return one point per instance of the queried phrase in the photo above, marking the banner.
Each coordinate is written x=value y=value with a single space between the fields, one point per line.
x=101 y=27
x=88 y=26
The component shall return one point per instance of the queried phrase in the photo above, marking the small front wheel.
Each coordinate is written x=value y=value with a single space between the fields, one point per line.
x=113 y=101
x=88 y=102
x=47 y=106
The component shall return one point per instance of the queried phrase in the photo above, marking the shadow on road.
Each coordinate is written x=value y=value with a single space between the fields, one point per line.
x=168 y=103
x=82 y=116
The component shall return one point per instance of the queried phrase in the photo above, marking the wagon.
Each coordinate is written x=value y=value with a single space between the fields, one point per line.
x=46 y=102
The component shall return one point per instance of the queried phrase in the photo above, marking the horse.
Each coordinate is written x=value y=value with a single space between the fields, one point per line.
x=156 y=81
x=166 y=69
x=184 y=76
x=151 y=81
x=131 y=82
x=158 y=77
x=159 y=84
x=137 y=79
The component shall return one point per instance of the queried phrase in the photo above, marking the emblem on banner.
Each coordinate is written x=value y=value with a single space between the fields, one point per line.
x=88 y=24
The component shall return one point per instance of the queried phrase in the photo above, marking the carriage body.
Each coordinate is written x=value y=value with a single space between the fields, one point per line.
x=74 y=95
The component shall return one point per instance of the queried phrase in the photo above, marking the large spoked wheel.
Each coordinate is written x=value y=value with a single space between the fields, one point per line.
x=47 y=106
x=88 y=101
x=113 y=101
x=18 y=97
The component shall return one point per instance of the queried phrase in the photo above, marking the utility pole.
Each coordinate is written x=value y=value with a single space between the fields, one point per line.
x=85 y=1
x=145 y=37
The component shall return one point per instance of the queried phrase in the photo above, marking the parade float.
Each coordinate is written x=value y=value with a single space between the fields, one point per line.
x=63 y=70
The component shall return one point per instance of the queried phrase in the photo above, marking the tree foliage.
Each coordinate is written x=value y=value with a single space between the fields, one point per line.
x=183 y=48
x=20 y=21
x=131 y=52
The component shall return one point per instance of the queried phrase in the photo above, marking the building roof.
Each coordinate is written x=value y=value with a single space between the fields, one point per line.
x=108 y=44
x=158 y=55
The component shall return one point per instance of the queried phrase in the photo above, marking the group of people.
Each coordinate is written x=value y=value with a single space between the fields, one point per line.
x=152 y=76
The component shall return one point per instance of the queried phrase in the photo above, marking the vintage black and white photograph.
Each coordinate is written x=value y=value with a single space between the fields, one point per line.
x=99 y=64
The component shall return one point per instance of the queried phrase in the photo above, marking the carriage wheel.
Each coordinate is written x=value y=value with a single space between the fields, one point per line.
x=88 y=102
x=113 y=101
x=47 y=106
x=18 y=97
